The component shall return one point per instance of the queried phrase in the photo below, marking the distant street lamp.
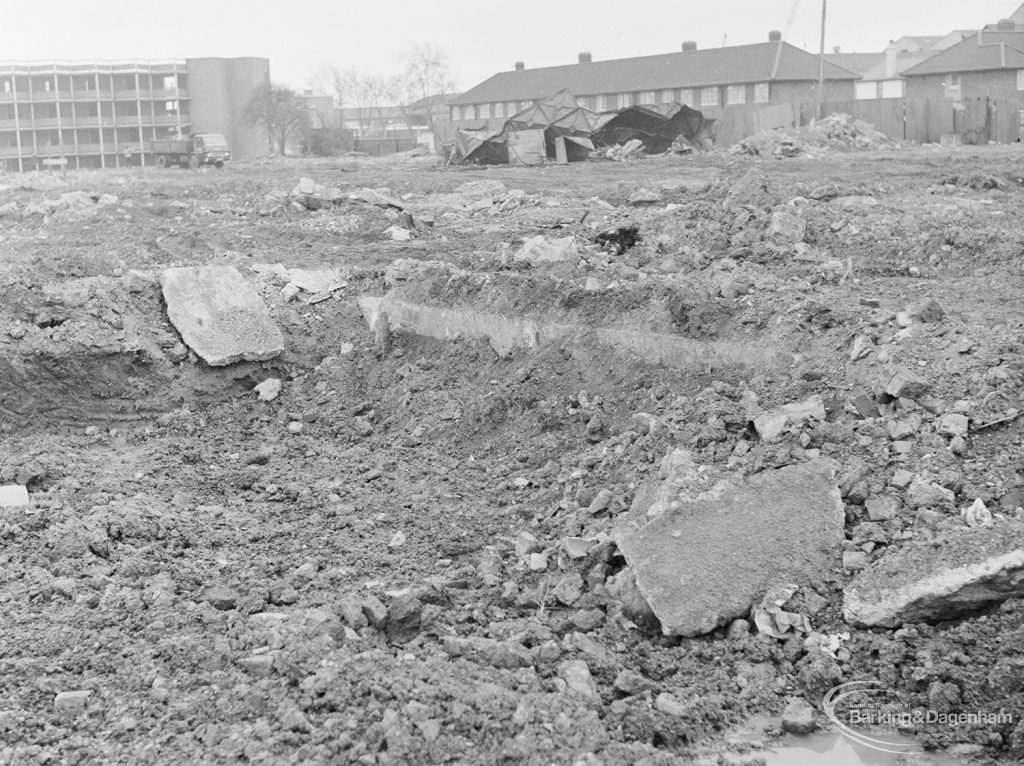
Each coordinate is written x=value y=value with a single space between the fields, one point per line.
x=821 y=64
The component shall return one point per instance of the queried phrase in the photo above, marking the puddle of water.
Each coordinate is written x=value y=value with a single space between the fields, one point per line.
x=834 y=749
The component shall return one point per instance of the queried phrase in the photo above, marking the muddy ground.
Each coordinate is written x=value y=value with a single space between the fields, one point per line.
x=340 y=575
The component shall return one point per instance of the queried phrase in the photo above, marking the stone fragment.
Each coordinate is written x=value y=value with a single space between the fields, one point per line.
x=854 y=561
x=703 y=554
x=259 y=665
x=669 y=704
x=268 y=390
x=71 y=703
x=404 y=619
x=882 y=507
x=568 y=589
x=577 y=677
x=905 y=384
x=375 y=611
x=771 y=425
x=955 y=574
x=862 y=405
x=13 y=496
x=923 y=494
x=630 y=682
x=540 y=249
x=954 y=424
x=220 y=597
x=219 y=316
x=798 y=717
x=489 y=651
x=787 y=227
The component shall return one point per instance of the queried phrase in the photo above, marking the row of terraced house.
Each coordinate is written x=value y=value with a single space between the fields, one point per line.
x=967 y=83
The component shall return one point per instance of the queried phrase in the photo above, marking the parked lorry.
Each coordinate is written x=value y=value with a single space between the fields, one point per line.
x=193 y=151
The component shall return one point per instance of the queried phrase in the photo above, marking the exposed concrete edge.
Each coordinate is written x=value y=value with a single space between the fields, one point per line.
x=886 y=611
x=506 y=333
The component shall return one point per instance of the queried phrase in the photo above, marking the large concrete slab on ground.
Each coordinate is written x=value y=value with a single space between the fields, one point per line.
x=950 y=576
x=219 y=316
x=704 y=551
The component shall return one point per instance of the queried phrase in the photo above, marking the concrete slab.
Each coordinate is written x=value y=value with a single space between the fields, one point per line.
x=219 y=316
x=703 y=552
x=932 y=580
x=13 y=496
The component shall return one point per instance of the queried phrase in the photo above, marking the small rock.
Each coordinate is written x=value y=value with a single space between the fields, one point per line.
x=901 y=479
x=295 y=427
x=538 y=562
x=905 y=384
x=854 y=561
x=798 y=717
x=644 y=197
x=568 y=589
x=375 y=611
x=259 y=665
x=71 y=703
x=403 y=620
x=738 y=629
x=671 y=705
x=954 y=424
x=576 y=674
x=630 y=682
x=882 y=507
x=923 y=494
x=220 y=597
x=862 y=405
x=268 y=390
x=787 y=228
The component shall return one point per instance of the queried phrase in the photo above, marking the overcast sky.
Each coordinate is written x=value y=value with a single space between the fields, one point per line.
x=480 y=37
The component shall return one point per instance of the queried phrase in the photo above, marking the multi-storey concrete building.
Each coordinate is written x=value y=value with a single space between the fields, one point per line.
x=91 y=114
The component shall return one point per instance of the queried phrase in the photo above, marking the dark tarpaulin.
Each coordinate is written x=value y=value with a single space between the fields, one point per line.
x=657 y=126
x=481 y=146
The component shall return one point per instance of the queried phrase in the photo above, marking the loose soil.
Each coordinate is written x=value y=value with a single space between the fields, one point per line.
x=202 y=568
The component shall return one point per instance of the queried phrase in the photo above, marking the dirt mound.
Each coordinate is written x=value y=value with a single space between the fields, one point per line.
x=837 y=132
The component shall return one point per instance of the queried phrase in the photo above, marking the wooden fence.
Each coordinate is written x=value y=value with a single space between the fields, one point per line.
x=972 y=121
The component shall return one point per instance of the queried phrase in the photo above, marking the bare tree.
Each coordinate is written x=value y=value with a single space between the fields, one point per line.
x=428 y=79
x=279 y=111
x=342 y=84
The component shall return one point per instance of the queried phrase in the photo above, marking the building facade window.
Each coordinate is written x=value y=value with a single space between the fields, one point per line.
x=625 y=100
x=1020 y=79
x=602 y=103
x=510 y=108
x=709 y=97
x=485 y=111
x=686 y=97
x=762 y=95
x=499 y=109
x=953 y=87
x=736 y=94
x=647 y=97
x=666 y=96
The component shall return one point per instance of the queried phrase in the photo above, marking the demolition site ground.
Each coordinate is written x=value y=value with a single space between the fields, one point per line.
x=410 y=554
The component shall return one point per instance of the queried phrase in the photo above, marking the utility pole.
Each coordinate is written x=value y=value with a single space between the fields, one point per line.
x=821 y=63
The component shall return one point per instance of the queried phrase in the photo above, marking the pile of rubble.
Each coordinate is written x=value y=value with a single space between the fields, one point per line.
x=839 y=132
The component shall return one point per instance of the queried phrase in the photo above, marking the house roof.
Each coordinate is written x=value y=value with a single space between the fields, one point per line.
x=761 y=62
x=856 y=62
x=980 y=52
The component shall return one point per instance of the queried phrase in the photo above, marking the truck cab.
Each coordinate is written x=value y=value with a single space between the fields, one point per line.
x=211 y=149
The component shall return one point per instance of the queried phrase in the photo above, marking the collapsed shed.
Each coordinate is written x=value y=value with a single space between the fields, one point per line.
x=560 y=129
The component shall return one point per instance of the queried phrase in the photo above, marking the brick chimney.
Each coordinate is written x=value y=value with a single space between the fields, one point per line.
x=774 y=36
x=689 y=45
x=520 y=66
x=585 y=57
